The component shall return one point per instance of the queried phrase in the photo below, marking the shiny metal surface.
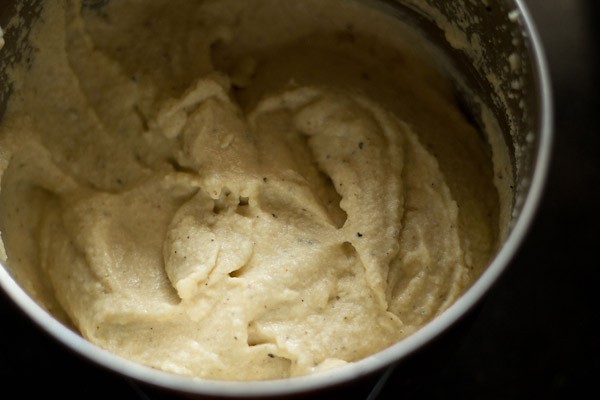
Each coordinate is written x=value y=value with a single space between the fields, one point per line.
x=525 y=118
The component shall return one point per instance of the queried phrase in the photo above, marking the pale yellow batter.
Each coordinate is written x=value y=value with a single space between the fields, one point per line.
x=239 y=189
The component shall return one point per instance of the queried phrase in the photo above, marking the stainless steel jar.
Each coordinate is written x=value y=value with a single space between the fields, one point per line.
x=519 y=97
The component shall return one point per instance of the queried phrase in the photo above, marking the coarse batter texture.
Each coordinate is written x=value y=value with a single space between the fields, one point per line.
x=239 y=189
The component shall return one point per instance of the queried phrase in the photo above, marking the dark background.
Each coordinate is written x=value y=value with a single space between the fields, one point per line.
x=532 y=336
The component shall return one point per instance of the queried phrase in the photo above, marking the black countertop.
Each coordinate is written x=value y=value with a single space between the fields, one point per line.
x=532 y=336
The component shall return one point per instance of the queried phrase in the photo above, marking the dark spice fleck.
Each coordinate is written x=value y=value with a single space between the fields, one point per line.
x=359 y=234
x=361 y=145
x=244 y=201
x=271 y=355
